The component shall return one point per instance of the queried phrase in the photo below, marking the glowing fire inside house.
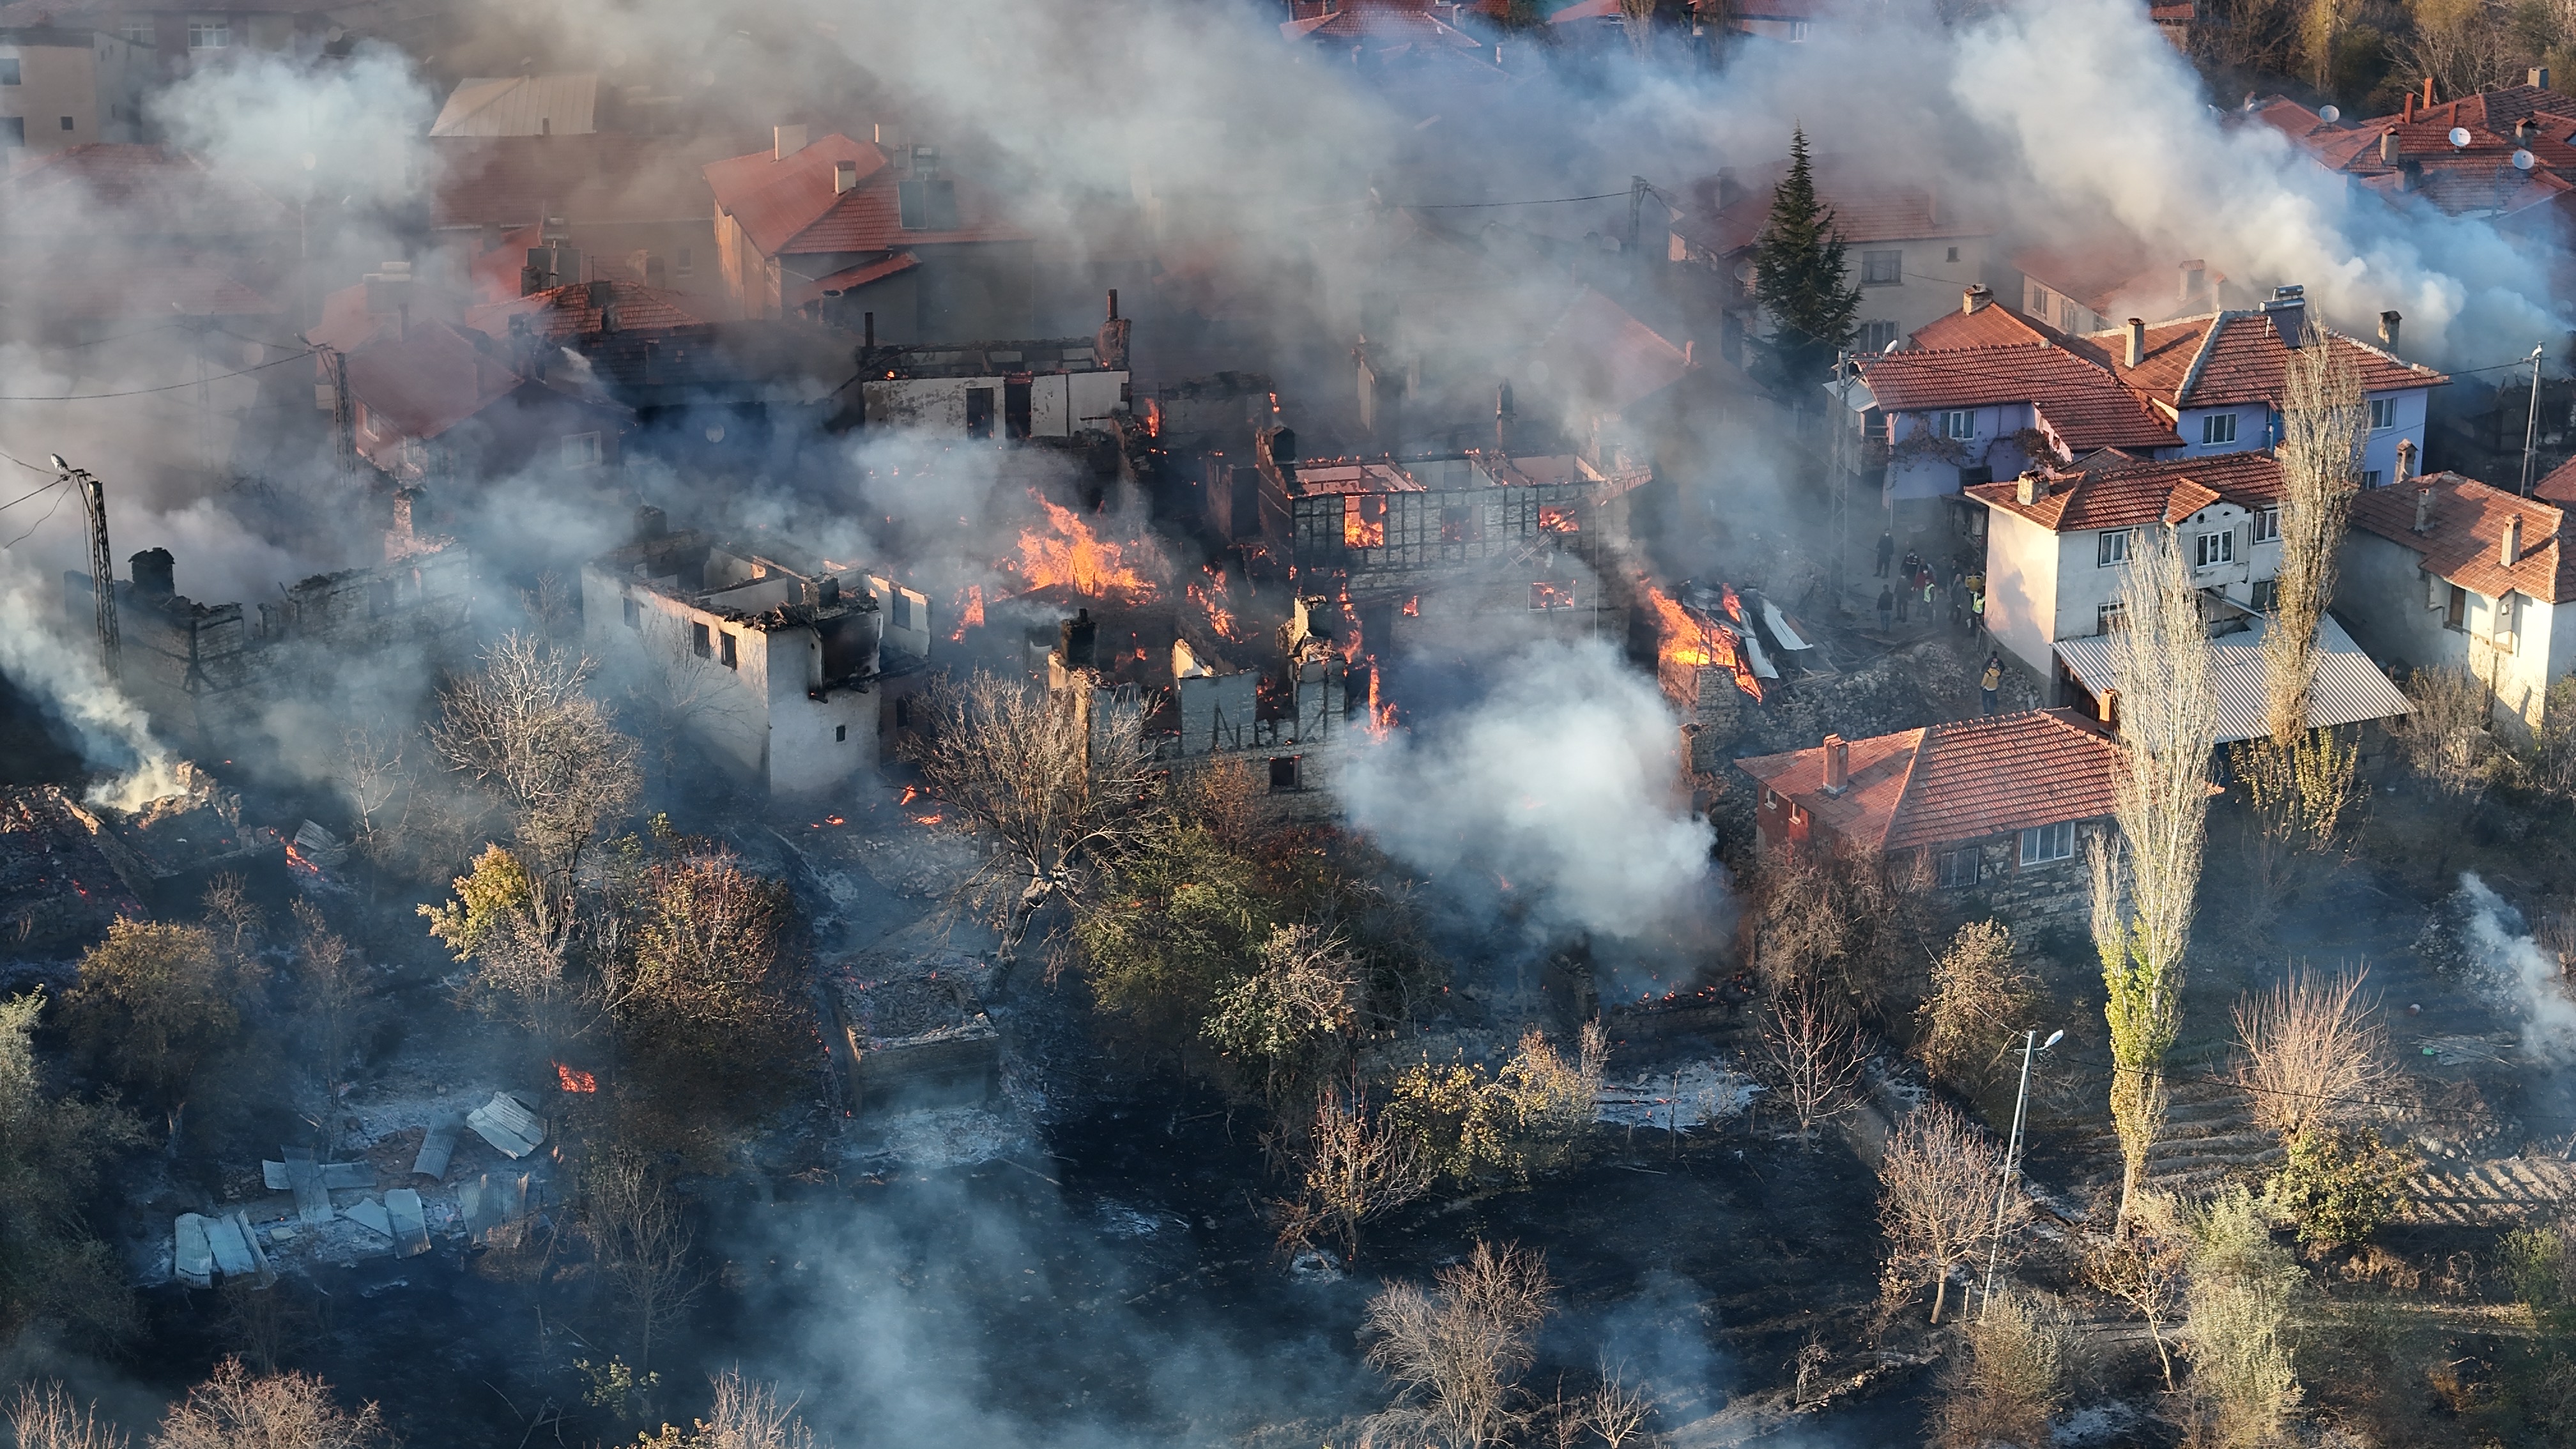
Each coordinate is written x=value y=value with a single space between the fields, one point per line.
x=970 y=611
x=1557 y=519
x=576 y=1080
x=1209 y=598
x=1687 y=643
x=1069 y=554
x=1363 y=520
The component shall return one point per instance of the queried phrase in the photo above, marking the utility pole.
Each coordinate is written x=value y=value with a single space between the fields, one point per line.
x=1637 y=189
x=102 y=563
x=1840 y=456
x=2012 y=1155
x=2531 y=424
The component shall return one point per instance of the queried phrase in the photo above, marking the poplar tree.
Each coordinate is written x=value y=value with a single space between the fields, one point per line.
x=1799 y=275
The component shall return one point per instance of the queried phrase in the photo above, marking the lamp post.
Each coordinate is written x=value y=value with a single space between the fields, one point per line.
x=2531 y=421
x=2012 y=1155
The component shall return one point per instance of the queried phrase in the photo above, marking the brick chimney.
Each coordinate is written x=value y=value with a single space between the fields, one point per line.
x=2423 y=510
x=785 y=141
x=2137 y=341
x=2288 y=309
x=2511 y=551
x=154 y=574
x=2028 y=487
x=2110 y=709
x=2388 y=150
x=1976 y=299
x=2388 y=324
x=2405 y=459
x=1837 y=764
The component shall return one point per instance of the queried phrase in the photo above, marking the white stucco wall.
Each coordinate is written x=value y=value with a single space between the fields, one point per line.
x=1061 y=404
x=2022 y=575
x=2394 y=610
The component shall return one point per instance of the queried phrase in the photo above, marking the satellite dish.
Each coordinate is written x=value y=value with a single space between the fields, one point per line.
x=715 y=432
x=2459 y=136
x=2522 y=161
x=2330 y=114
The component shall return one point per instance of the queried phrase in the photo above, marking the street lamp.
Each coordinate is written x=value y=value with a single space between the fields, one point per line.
x=2012 y=1157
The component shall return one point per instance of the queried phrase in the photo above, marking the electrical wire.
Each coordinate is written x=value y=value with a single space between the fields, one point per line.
x=173 y=387
x=39 y=523
x=23 y=463
x=2388 y=1104
x=23 y=497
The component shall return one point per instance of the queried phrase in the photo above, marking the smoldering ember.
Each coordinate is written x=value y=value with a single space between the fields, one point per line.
x=1119 y=723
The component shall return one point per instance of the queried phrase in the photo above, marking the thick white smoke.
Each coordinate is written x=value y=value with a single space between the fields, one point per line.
x=2525 y=970
x=39 y=653
x=1559 y=782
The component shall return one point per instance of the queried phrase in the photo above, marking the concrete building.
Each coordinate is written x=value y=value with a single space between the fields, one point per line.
x=607 y=205
x=2445 y=571
x=1048 y=388
x=63 y=88
x=1996 y=811
x=437 y=400
x=773 y=659
x=174 y=42
x=841 y=228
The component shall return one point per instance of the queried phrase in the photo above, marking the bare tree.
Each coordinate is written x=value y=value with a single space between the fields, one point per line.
x=746 y=1414
x=642 y=1244
x=2445 y=738
x=233 y=1409
x=2324 y=423
x=1055 y=787
x=2311 y=1052
x=1937 y=1200
x=1981 y=997
x=50 y=1418
x=526 y=729
x=331 y=987
x=2144 y=889
x=1616 y=1413
x=1457 y=1352
x=2141 y=1262
x=1357 y=1169
x=1813 y=1057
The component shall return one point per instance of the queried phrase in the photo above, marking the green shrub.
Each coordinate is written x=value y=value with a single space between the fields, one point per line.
x=2341 y=1184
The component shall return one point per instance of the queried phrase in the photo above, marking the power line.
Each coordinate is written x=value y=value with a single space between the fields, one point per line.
x=173 y=387
x=39 y=523
x=1479 y=205
x=23 y=497
x=2387 y=1104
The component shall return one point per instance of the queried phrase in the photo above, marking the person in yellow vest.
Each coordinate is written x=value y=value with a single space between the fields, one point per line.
x=1991 y=681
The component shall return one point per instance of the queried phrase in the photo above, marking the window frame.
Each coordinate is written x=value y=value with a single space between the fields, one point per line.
x=13 y=71
x=1959 y=424
x=210 y=32
x=2383 y=414
x=2213 y=549
x=632 y=612
x=2110 y=616
x=2217 y=428
x=1957 y=869
x=701 y=639
x=582 y=450
x=1876 y=334
x=1883 y=267
x=2111 y=547
x=2046 y=844
x=729 y=649
x=2267 y=525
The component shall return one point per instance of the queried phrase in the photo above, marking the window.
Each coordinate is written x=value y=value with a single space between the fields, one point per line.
x=2267 y=524
x=1283 y=774
x=2218 y=428
x=9 y=71
x=840 y=733
x=903 y=713
x=209 y=32
x=2037 y=306
x=2267 y=595
x=698 y=640
x=1874 y=336
x=2455 y=608
x=633 y=611
x=137 y=29
x=1882 y=269
x=67 y=123
x=1798 y=31
x=2111 y=547
x=581 y=450
x=902 y=609
x=2503 y=634
x=2209 y=550
x=13 y=131
x=682 y=262
x=1953 y=256
x=2069 y=316
x=1959 y=423
x=2047 y=843
x=2110 y=616
x=1955 y=868
x=2370 y=479
x=2383 y=414
x=730 y=662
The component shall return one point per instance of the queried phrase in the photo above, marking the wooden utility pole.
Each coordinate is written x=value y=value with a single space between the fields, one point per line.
x=102 y=563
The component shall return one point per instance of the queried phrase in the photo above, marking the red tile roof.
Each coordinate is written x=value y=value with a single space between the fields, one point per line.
x=790 y=207
x=1992 y=325
x=572 y=311
x=422 y=384
x=1406 y=21
x=2219 y=358
x=2465 y=540
x=850 y=279
x=2125 y=493
x=606 y=176
x=2076 y=399
x=2558 y=485
x=1606 y=358
x=2477 y=177
x=1864 y=211
x=1957 y=782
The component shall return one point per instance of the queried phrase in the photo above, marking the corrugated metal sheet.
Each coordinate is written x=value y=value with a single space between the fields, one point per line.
x=521 y=105
x=2348 y=690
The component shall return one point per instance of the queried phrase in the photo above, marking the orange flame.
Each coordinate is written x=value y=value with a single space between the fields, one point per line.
x=1413 y=607
x=294 y=858
x=1220 y=618
x=576 y=1081
x=970 y=611
x=1686 y=643
x=1363 y=520
x=1074 y=556
x=1545 y=595
x=1558 y=518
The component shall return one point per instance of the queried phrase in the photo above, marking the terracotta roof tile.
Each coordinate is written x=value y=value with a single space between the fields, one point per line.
x=1955 y=782
x=850 y=279
x=422 y=384
x=2465 y=540
x=1864 y=211
x=2558 y=485
x=570 y=311
x=790 y=207
x=1992 y=325
x=2077 y=400
x=2477 y=177
x=2244 y=362
x=2125 y=493
x=606 y=176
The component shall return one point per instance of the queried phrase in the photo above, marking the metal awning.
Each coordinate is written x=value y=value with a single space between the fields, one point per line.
x=2349 y=689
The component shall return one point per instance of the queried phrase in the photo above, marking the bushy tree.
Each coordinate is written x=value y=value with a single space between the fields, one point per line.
x=1981 y=1000
x=1800 y=277
x=1531 y=1115
x=155 y=1005
x=2019 y=1365
x=52 y=1268
x=2340 y=1184
x=2236 y=1329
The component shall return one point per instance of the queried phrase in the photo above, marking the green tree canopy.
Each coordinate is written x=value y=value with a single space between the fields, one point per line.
x=1798 y=274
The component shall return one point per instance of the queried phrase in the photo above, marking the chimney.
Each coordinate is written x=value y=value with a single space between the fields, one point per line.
x=2428 y=93
x=786 y=141
x=2405 y=459
x=2028 y=488
x=1975 y=299
x=2408 y=114
x=1113 y=304
x=406 y=522
x=2111 y=709
x=2137 y=341
x=2388 y=152
x=650 y=524
x=1077 y=640
x=868 y=330
x=1837 y=764
x=2539 y=77
x=1503 y=418
x=153 y=570
x=2423 y=510
x=2388 y=322
x=2524 y=129
x=845 y=176
x=1690 y=353
x=2288 y=310
x=2511 y=553
x=2195 y=275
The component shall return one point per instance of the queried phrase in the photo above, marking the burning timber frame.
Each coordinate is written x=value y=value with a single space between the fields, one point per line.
x=1384 y=539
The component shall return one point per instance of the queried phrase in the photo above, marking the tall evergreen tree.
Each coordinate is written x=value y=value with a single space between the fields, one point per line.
x=1798 y=274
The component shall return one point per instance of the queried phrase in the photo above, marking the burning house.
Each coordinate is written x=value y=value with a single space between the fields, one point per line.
x=1050 y=388
x=772 y=658
x=1710 y=659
